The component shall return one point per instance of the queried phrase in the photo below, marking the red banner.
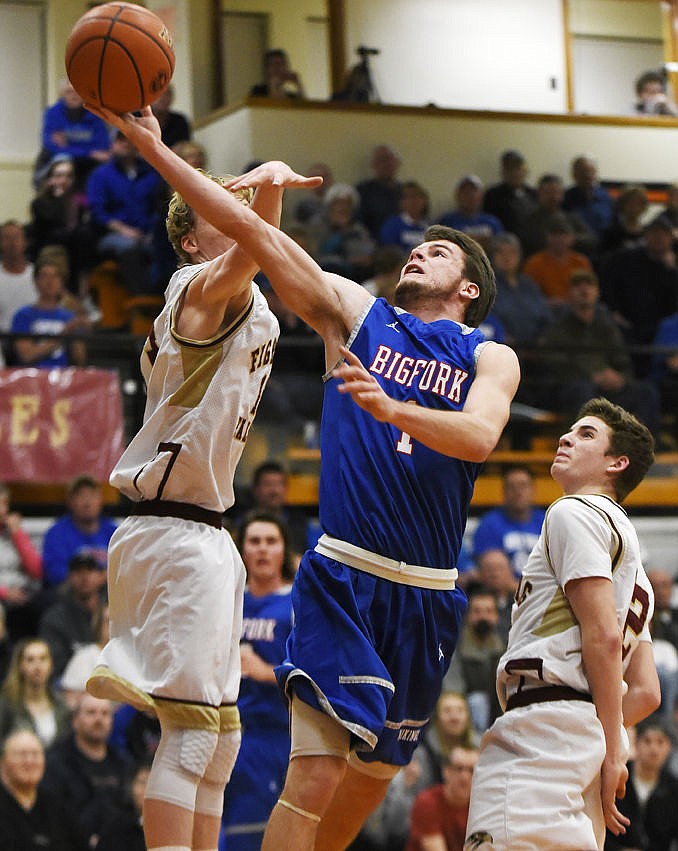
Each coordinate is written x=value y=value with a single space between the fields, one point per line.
x=59 y=423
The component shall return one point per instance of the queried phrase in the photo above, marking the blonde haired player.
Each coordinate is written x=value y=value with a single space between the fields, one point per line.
x=415 y=400
x=550 y=767
x=175 y=576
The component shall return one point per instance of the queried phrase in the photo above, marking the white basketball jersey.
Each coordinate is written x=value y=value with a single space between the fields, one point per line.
x=582 y=537
x=202 y=397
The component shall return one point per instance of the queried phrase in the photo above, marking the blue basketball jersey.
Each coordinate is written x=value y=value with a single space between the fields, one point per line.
x=259 y=772
x=379 y=488
x=267 y=622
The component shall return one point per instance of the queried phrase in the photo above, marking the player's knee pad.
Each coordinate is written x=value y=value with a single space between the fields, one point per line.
x=210 y=797
x=180 y=763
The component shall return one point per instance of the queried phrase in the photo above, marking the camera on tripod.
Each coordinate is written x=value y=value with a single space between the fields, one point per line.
x=367 y=51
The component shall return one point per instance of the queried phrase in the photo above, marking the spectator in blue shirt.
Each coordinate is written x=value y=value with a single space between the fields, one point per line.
x=515 y=526
x=68 y=128
x=520 y=305
x=406 y=229
x=83 y=530
x=49 y=318
x=124 y=196
x=468 y=215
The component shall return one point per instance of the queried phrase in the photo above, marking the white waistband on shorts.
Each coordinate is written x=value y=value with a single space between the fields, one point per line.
x=438 y=579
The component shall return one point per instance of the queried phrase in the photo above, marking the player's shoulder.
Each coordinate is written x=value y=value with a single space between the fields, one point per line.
x=498 y=362
x=580 y=506
x=181 y=278
x=495 y=352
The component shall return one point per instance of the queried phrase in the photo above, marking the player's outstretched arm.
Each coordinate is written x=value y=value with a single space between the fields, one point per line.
x=222 y=288
x=470 y=434
x=329 y=303
x=593 y=605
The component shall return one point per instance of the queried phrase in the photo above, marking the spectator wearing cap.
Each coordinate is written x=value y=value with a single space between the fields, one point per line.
x=512 y=199
x=584 y=355
x=70 y=622
x=83 y=529
x=552 y=267
x=587 y=198
x=640 y=286
x=468 y=214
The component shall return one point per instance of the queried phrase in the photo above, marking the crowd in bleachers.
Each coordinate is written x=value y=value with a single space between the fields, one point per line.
x=587 y=293
x=105 y=203
x=94 y=756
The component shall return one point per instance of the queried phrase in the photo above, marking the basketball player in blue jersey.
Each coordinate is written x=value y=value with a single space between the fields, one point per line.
x=415 y=401
x=259 y=772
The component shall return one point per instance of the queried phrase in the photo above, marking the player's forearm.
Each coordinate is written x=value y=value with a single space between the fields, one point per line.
x=267 y=204
x=601 y=656
x=207 y=198
x=458 y=434
x=295 y=276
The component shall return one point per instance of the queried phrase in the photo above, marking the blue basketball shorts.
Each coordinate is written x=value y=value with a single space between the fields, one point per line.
x=370 y=652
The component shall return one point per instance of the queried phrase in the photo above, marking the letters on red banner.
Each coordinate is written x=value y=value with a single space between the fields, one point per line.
x=59 y=423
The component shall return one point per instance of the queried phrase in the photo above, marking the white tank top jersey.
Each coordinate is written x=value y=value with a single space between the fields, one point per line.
x=202 y=397
x=582 y=537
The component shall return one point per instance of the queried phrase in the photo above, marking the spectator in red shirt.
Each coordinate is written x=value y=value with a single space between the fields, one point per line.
x=20 y=572
x=440 y=812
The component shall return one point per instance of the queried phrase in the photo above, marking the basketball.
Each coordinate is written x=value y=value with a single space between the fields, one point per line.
x=119 y=56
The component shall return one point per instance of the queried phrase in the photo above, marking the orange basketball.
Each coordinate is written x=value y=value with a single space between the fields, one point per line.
x=119 y=56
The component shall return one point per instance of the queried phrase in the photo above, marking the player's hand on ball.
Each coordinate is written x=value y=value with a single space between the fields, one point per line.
x=135 y=126
x=274 y=173
x=363 y=387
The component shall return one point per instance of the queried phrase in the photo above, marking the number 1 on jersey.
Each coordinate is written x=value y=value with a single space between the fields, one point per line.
x=404 y=443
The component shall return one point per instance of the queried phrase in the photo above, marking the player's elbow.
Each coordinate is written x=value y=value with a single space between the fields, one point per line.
x=651 y=697
x=640 y=702
x=483 y=443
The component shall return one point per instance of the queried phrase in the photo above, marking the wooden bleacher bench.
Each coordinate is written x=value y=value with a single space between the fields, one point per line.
x=50 y=494
x=659 y=489
x=110 y=295
x=119 y=311
x=141 y=311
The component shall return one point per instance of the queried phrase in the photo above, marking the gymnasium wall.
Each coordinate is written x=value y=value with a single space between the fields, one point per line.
x=438 y=146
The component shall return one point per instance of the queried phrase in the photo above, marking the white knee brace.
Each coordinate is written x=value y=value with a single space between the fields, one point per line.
x=210 y=797
x=180 y=763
